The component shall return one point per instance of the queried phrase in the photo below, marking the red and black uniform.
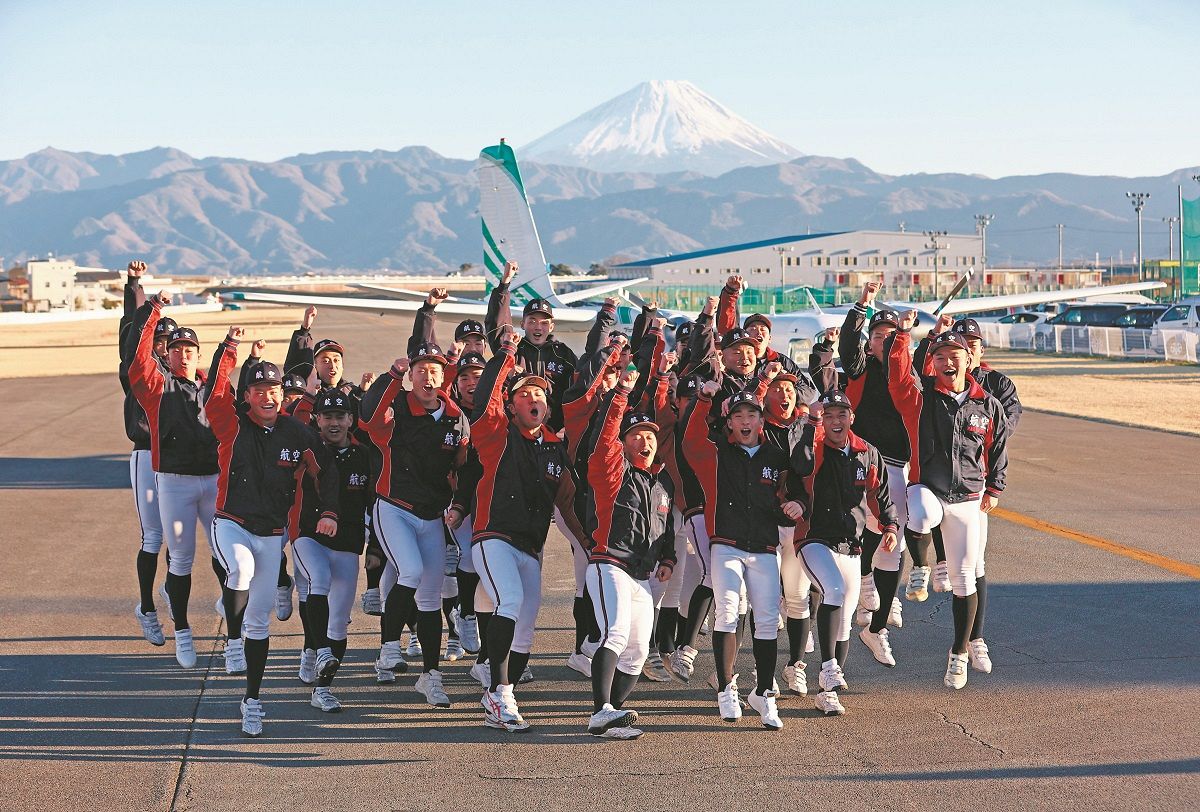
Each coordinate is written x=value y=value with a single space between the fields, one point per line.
x=137 y=427
x=418 y=451
x=993 y=381
x=629 y=508
x=261 y=466
x=821 y=367
x=524 y=476
x=355 y=495
x=876 y=417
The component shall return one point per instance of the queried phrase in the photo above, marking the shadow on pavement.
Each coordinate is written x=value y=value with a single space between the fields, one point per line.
x=67 y=473
x=1175 y=767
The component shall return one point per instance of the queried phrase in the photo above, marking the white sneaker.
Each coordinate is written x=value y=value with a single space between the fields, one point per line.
x=252 y=716
x=608 y=717
x=162 y=593
x=390 y=657
x=941 y=577
x=831 y=677
x=185 y=651
x=468 y=632
x=372 y=603
x=325 y=701
x=767 y=711
x=880 y=646
x=730 y=703
x=235 y=656
x=308 y=666
x=219 y=608
x=283 y=600
x=500 y=710
x=981 y=660
x=384 y=676
x=896 y=615
x=956 y=671
x=581 y=663
x=414 y=646
x=526 y=676
x=868 y=596
x=795 y=678
x=829 y=704
x=454 y=649
x=918 y=584
x=430 y=684
x=152 y=630
x=589 y=648
x=623 y=733
x=654 y=670
x=482 y=672
x=326 y=664
x=862 y=616
x=682 y=663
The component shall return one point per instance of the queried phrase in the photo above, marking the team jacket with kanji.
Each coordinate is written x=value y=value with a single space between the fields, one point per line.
x=417 y=450
x=877 y=419
x=180 y=441
x=629 y=508
x=524 y=476
x=355 y=496
x=743 y=493
x=137 y=427
x=844 y=487
x=959 y=451
x=260 y=467
x=993 y=381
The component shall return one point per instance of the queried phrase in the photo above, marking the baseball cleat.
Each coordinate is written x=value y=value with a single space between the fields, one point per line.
x=682 y=663
x=384 y=676
x=829 y=704
x=414 y=646
x=152 y=630
x=483 y=673
x=468 y=632
x=589 y=648
x=654 y=670
x=283 y=600
x=729 y=703
x=252 y=716
x=831 y=677
x=941 y=577
x=162 y=593
x=580 y=662
x=896 y=615
x=795 y=678
x=454 y=649
x=526 y=676
x=862 y=616
x=372 y=603
x=868 y=595
x=623 y=733
x=390 y=657
x=981 y=660
x=430 y=684
x=326 y=664
x=500 y=710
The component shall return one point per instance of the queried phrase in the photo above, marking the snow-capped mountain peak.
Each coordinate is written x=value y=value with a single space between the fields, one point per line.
x=660 y=126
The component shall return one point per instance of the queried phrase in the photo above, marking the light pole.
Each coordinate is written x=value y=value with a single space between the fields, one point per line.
x=782 y=250
x=1060 y=227
x=1138 y=199
x=982 y=221
x=1170 y=221
x=935 y=246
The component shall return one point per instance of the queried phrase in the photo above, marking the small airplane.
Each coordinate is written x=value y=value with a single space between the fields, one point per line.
x=510 y=234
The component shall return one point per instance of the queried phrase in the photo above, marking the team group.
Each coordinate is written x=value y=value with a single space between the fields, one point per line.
x=714 y=483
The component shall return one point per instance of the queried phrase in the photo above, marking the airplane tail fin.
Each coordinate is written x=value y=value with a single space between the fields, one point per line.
x=509 y=233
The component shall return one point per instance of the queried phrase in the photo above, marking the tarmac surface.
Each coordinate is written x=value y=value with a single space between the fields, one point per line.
x=1092 y=703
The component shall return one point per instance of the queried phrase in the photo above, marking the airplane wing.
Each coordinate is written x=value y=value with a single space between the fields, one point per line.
x=599 y=290
x=406 y=293
x=566 y=315
x=978 y=304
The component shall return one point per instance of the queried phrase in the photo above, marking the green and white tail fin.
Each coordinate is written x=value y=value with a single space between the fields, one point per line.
x=509 y=233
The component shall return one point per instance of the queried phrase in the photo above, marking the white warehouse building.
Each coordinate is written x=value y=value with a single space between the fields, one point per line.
x=900 y=259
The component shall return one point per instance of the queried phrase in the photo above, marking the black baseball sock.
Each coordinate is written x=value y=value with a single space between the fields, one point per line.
x=318 y=621
x=623 y=685
x=698 y=608
x=499 y=643
x=429 y=633
x=939 y=547
x=604 y=669
x=374 y=574
x=338 y=647
x=448 y=607
x=309 y=640
x=256 y=665
x=147 y=570
x=725 y=654
x=870 y=542
x=517 y=660
x=219 y=570
x=841 y=650
x=668 y=624
x=920 y=547
x=582 y=612
x=981 y=591
x=234 y=601
x=179 y=590
x=284 y=578
x=797 y=630
x=964 y=618
x=886 y=582
x=467 y=583
x=401 y=603
x=766 y=653
x=483 y=618
x=825 y=640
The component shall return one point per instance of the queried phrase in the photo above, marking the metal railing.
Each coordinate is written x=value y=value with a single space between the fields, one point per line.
x=1182 y=346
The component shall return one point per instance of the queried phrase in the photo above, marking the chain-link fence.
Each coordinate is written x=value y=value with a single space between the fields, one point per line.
x=1114 y=342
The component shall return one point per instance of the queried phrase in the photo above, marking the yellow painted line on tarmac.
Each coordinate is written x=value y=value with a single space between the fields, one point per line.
x=1145 y=556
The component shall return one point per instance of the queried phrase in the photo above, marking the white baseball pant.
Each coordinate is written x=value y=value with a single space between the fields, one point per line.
x=333 y=573
x=960 y=533
x=758 y=573
x=416 y=548
x=145 y=499
x=838 y=577
x=897 y=490
x=513 y=583
x=253 y=564
x=625 y=613
x=184 y=500
x=796 y=584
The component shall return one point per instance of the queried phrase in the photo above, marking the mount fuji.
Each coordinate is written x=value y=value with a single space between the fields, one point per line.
x=660 y=127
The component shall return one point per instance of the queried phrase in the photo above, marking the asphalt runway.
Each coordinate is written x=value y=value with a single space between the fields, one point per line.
x=1092 y=704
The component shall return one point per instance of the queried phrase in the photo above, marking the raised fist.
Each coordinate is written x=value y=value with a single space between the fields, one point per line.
x=310 y=315
x=772 y=370
x=136 y=268
x=256 y=349
x=508 y=336
x=368 y=378
x=610 y=301
x=944 y=323
x=832 y=333
x=236 y=334
x=709 y=388
x=400 y=365
x=869 y=292
x=710 y=305
x=667 y=361
x=736 y=283
x=436 y=297
x=510 y=271
x=908 y=320
x=163 y=298
x=629 y=378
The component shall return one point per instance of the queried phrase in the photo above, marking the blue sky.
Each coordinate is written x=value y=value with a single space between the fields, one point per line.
x=1000 y=88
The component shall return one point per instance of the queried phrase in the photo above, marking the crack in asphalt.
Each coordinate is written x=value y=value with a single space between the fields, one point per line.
x=191 y=730
x=963 y=729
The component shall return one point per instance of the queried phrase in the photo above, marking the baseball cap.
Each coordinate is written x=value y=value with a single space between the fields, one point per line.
x=968 y=327
x=183 y=335
x=684 y=331
x=333 y=400
x=743 y=398
x=760 y=318
x=427 y=351
x=734 y=337
x=529 y=380
x=948 y=340
x=538 y=306
x=687 y=387
x=637 y=420
x=165 y=325
x=468 y=327
x=471 y=360
x=327 y=345
x=885 y=317
x=294 y=382
x=784 y=375
x=836 y=397
x=265 y=372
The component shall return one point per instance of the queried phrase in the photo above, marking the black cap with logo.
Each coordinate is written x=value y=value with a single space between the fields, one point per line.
x=183 y=335
x=637 y=420
x=736 y=336
x=265 y=372
x=468 y=327
x=334 y=400
x=538 y=306
x=836 y=397
x=427 y=351
x=164 y=327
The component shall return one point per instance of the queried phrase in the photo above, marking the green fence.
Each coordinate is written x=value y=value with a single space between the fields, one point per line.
x=783 y=300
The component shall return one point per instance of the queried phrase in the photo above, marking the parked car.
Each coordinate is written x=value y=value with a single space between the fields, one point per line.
x=1171 y=331
x=1140 y=318
x=1076 y=318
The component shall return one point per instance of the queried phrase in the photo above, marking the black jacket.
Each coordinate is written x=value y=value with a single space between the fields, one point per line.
x=876 y=417
x=355 y=497
x=137 y=427
x=994 y=382
x=960 y=451
x=262 y=467
x=629 y=508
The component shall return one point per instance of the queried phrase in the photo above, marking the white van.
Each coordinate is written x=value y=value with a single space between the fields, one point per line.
x=1177 y=331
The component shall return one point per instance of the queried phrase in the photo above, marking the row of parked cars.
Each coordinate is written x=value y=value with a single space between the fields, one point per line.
x=1150 y=328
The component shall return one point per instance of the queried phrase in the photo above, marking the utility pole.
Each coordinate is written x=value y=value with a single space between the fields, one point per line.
x=1170 y=221
x=781 y=250
x=935 y=246
x=982 y=221
x=1059 y=226
x=1138 y=199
